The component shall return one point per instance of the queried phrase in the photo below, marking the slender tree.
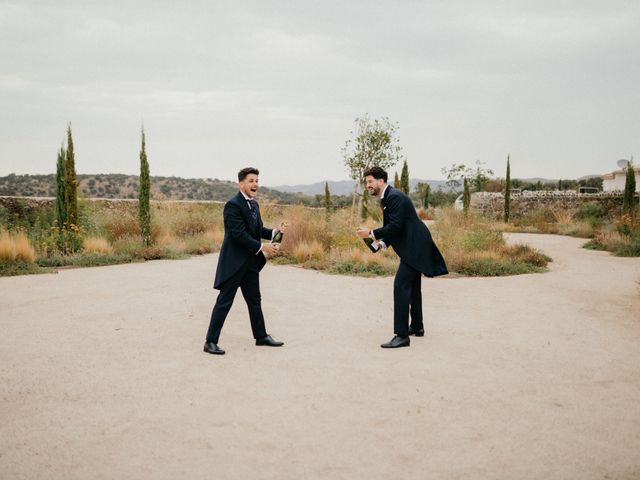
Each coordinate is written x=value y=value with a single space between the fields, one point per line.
x=507 y=192
x=466 y=197
x=425 y=197
x=61 y=197
x=628 y=200
x=144 y=208
x=71 y=182
x=396 y=181
x=328 y=206
x=364 y=210
x=404 y=178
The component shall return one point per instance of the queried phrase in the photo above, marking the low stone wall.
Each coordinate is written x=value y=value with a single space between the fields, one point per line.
x=522 y=204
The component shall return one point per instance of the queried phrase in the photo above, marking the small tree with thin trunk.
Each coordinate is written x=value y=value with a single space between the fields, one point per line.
x=466 y=197
x=373 y=143
x=507 y=192
x=396 y=181
x=71 y=182
x=144 y=208
x=61 y=196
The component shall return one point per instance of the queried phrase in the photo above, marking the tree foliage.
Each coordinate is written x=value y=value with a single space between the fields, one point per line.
x=478 y=175
x=61 y=196
x=466 y=197
x=71 y=182
x=628 y=199
x=144 y=208
x=404 y=178
x=507 y=192
x=372 y=143
x=424 y=191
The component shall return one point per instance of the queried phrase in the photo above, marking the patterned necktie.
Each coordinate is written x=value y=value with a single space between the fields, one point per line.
x=253 y=208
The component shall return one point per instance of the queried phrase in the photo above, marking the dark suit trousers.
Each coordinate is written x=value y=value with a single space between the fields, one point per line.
x=407 y=295
x=248 y=280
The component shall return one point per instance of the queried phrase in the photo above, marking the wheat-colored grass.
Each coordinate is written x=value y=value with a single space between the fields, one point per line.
x=305 y=251
x=96 y=245
x=16 y=246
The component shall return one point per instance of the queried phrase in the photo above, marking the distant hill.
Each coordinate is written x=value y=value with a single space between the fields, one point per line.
x=345 y=187
x=126 y=186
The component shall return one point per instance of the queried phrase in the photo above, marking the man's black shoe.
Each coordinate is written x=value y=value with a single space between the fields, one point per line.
x=268 y=342
x=418 y=333
x=211 y=347
x=396 y=342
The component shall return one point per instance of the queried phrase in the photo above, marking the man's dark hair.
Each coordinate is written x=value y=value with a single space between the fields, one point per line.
x=376 y=172
x=242 y=174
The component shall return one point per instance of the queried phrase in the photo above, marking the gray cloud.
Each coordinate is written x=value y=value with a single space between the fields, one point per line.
x=278 y=84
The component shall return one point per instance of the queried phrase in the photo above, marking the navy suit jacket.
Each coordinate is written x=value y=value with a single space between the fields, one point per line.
x=408 y=235
x=241 y=239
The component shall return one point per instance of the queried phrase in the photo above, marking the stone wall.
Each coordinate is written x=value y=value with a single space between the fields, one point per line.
x=522 y=204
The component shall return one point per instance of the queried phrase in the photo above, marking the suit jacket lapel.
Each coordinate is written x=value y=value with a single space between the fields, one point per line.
x=383 y=202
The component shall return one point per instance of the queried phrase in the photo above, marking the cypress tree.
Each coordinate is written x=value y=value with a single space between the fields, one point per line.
x=61 y=197
x=507 y=192
x=404 y=178
x=466 y=197
x=364 y=212
x=628 y=200
x=71 y=182
x=144 y=209
x=327 y=201
x=425 y=198
x=396 y=181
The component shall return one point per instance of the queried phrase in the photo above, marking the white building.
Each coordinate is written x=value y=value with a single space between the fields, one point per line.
x=615 y=180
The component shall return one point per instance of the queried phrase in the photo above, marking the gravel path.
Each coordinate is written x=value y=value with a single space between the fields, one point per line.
x=102 y=375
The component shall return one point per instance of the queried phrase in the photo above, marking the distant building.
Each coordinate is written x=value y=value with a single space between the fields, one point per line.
x=615 y=180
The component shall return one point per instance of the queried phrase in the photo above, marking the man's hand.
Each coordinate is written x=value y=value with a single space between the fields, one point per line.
x=270 y=249
x=362 y=232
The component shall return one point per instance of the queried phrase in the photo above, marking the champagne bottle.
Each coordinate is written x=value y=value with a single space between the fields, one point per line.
x=373 y=246
x=277 y=238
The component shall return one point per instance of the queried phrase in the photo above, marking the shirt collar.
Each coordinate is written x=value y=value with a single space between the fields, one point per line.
x=384 y=191
x=247 y=198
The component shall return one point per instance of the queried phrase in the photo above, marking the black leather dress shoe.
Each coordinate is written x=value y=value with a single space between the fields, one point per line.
x=211 y=347
x=268 y=342
x=396 y=342
x=418 y=333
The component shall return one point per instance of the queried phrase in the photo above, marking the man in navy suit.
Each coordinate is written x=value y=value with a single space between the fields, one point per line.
x=242 y=256
x=410 y=238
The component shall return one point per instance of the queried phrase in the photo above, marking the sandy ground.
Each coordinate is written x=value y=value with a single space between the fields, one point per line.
x=102 y=375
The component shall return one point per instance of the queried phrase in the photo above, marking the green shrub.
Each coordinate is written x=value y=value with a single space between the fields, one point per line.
x=591 y=211
x=490 y=267
x=481 y=240
x=361 y=269
x=20 y=267
x=632 y=249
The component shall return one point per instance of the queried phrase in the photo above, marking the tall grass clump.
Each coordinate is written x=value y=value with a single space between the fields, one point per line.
x=471 y=246
x=16 y=246
x=96 y=245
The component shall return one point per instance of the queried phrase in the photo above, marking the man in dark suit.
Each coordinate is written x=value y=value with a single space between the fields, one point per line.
x=410 y=238
x=242 y=256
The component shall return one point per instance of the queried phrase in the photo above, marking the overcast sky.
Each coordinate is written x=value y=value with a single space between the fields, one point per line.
x=221 y=85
